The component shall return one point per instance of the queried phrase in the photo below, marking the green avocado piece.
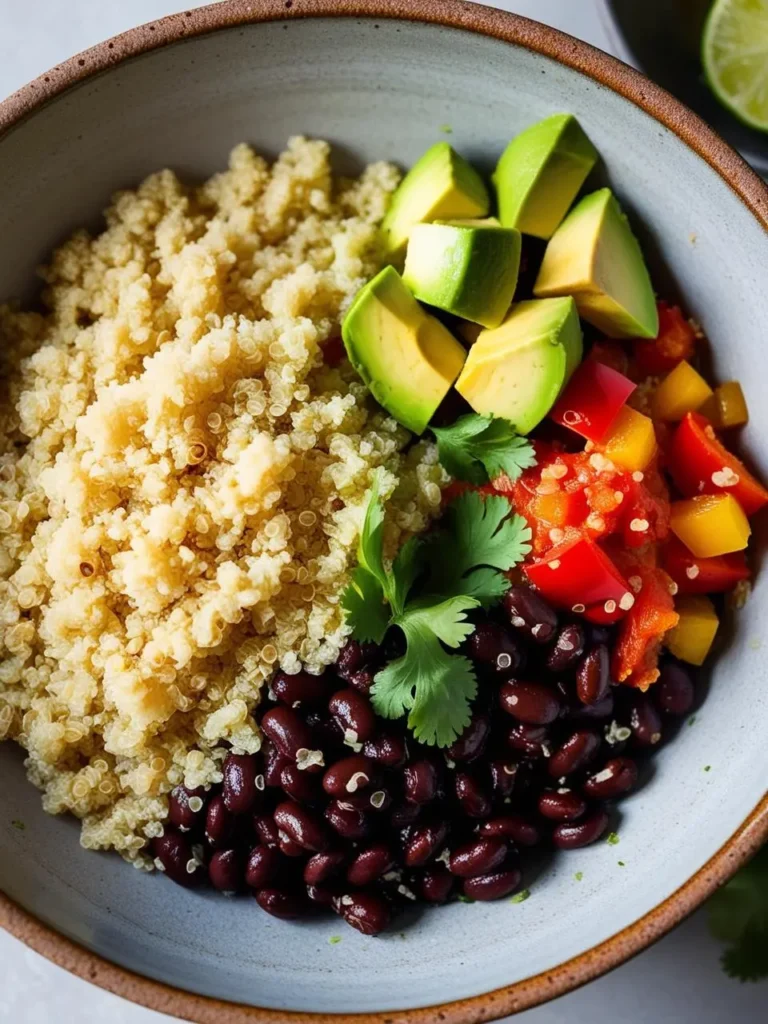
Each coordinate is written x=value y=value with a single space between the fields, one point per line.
x=441 y=185
x=594 y=257
x=466 y=268
x=518 y=370
x=540 y=173
x=406 y=357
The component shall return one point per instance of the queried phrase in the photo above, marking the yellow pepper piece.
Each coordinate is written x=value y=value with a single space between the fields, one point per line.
x=692 y=637
x=712 y=524
x=683 y=390
x=727 y=408
x=631 y=443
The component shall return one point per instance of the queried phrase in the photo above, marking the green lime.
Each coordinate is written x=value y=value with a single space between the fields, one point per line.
x=734 y=50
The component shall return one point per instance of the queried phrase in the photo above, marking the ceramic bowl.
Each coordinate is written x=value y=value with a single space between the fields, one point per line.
x=381 y=79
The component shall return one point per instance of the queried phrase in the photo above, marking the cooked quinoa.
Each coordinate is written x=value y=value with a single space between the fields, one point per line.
x=183 y=478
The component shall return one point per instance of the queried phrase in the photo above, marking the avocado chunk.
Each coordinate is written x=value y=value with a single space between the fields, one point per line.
x=518 y=370
x=406 y=357
x=441 y=185
x=594 y=257
x=540 y=173
x=468 y=269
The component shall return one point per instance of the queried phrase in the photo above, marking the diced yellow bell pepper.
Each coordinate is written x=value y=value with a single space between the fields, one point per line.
x=692 y=637
x=683 y=390
x=710 y=525
x=631 y=443
x=727 y=408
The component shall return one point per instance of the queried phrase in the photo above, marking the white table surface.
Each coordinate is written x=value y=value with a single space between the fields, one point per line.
x=678 y=981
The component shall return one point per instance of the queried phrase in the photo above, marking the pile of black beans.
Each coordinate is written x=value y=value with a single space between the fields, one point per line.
x=344 y=810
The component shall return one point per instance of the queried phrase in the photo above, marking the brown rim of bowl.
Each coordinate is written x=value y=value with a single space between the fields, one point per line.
x=748 y=187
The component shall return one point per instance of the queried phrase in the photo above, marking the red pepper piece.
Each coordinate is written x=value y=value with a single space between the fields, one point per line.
x=703 y=575
x=675 y=341
x=578 y=575
x=700 y=464
x=592 y=400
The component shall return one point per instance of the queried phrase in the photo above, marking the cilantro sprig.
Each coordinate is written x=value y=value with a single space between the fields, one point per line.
x=428 y=592
x=738 y=916
x=478 y=448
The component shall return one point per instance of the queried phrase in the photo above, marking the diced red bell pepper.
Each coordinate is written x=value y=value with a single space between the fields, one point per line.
x=578 y=575
x=675 y=341
x=641 y=634
x=592 y=400
x=700 y=464
x=703 y=575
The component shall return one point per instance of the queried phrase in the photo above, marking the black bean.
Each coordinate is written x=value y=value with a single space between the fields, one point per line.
x=436 y=884
x=289 y=847
x=604 y=708
x=226 y=870
x=473 y=800
x=266 y=830
x=322 y=866
x=348 y=776
x=532 y=703
x=174 y=851
x=219 y=824
x=561 y=806
x=492 y=645
x=386 y=749
x=263 y=866
x=574 y=753
x=471 y=744
x=571 y=835
x=567 y=649
x=674 y=692
x=365 y=911
x=530 y=740
x=617 y=777
x=274 y=762
x=511 y=826
x=479 y=857
x=301 y=825
x=503 y=778
x=325 y=895
x=422 y=783
x=282 y=903
x=370 y=864
x=354 y=656
x=180 y=814
x=644 y=721
x=424 y=843
x=362 y=681
x=405 y=814
x=354 y=714
x=287 y=731
x=239 y=789
x=593 y=676
x=348 y=821
x=530 y=613
x=493 y=886
x=300 y=786
x=300 y=689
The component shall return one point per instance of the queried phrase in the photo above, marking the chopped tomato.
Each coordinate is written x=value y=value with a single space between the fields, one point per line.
x=700 y=464
x=578 y=575
x=642 y=631
x=703 y=575
x=675 y=341
x=592 y=399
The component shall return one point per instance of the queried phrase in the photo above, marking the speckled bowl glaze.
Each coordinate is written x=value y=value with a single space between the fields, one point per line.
x=380 y=80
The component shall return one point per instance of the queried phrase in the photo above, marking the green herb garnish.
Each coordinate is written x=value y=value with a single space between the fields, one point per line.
x=334 y=940
x=579 y=875
x=428 y=592
x=613 y=839
x=480 y=448
x=738 y=916
x=18 y=824
x=520 y=897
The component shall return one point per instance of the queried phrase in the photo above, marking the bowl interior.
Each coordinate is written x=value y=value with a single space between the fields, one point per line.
x=389 y=98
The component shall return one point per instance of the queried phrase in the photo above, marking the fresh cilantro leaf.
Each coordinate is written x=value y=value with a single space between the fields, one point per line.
x=479 y=535
x=434 y=686
x=520 y=897
x=479 y=448
x=738 y=916
x=613 y=839
x=371 y=545
x=364 y=602
x=405 y=570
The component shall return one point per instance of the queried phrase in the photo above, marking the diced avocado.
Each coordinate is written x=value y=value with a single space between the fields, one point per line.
x=406 y=357
x=518 y=370
x=470 y=271
x=441 y=185
x=594 y=257
x=540 y=173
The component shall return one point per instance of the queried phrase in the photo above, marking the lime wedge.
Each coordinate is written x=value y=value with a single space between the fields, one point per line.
x=734 y=50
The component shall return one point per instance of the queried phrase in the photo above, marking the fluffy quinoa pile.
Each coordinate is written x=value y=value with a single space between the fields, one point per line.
x=183 y=477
